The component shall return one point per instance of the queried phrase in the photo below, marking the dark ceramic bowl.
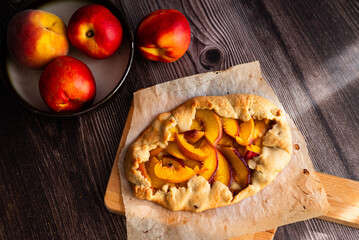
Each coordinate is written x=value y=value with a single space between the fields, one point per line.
x=109 y=73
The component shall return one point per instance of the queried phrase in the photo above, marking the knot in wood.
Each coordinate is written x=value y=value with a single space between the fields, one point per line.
x=211 y=57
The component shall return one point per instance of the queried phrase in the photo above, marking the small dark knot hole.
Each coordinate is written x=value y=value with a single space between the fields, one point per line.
x=211 y=58
x=89 y=33
x=212 y=55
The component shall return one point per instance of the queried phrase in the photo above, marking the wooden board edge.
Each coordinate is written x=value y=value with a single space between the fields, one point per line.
x=265 y=235
x=343 y=197
x=113 y=198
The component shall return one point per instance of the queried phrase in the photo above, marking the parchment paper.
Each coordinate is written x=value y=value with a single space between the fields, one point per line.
x=296 y=194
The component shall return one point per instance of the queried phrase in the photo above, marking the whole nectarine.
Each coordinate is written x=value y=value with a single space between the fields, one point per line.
x=163 y=35
x=35 y=37
x=95 y=31
x=67 y=85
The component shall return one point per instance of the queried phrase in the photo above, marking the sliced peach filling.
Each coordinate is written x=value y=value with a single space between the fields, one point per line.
x=231 y=127
x=190 y=151
x=173 y=170
x=210 y=164
x=224 y=170
x=212 y=125
x=218 y=149
x=193 y=136
x=150 y=166
x=246 y=130
x=239 y=166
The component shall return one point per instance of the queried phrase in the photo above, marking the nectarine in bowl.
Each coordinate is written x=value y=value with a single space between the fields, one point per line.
x=22 y=82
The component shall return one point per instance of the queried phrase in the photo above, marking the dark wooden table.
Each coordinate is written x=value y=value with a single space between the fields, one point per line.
x=53 y=172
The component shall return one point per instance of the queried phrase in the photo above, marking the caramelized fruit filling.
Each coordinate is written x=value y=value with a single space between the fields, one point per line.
x=215 y=148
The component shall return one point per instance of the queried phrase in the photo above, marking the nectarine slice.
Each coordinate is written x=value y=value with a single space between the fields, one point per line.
x=252 y=151
x=189 y=151
x=241 y=149
x=174 y=130
x=196 y=124
x=173 y=170
x=150 y=167
x=253 y=148
x=240 y=167
x=250 y=155
x=212 y=125
x=259 y=128
x=156 y=151
x=224 y=171
x=192 y=136
x=193 y=164
x=226 y=140
x=231 y=127
x=245 y=132
x=210 y=164
x=173 y=150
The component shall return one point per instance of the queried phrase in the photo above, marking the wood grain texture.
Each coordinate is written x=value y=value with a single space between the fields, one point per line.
x=343 y=197
x=53 y=172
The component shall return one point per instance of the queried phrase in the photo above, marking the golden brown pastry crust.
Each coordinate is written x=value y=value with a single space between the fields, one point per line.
x=199 y=195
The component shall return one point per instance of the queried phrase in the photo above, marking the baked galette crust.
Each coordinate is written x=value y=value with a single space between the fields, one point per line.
x=199 y=194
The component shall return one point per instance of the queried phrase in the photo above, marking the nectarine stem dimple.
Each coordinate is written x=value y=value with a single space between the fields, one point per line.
x=89 y=33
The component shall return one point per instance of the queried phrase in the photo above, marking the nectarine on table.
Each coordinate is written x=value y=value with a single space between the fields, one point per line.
x=67 y=85
x=95 y=31
x=36 y=37
x=163 y=35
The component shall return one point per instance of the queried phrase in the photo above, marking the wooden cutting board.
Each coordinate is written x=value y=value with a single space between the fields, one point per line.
x=343 y=195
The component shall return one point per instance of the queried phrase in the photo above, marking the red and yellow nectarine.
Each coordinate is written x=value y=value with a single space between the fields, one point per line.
x=36 y=37
x=95 y=31
x=163 y=35
x=67 y=85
